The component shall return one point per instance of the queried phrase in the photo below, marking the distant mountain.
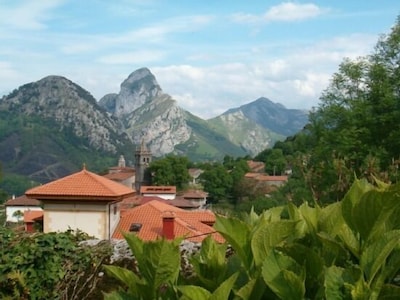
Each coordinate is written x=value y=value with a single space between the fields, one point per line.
x=258 y=125
x=272 y=116
x=50 y=127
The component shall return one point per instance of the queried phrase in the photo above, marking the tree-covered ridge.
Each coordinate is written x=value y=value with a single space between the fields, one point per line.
x=354 y=131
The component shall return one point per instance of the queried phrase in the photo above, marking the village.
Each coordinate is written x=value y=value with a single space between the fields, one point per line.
x=105 y=207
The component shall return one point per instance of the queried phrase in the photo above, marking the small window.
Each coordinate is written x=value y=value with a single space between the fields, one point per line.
x=115 y=209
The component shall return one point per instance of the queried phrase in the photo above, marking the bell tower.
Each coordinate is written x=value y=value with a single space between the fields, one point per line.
x=142 y=162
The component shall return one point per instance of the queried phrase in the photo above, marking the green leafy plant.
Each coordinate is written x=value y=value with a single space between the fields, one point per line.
x=157 y=270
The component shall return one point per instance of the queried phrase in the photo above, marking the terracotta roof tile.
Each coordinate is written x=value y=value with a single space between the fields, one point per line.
x=22 y=201
x=187 y=223
x=32 y=215
x=256 y=166
x=194 y=194
x=157 y=189
x=83 y=185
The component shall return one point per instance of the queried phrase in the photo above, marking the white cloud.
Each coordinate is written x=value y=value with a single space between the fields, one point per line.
x=290 y=11
x=296 y=79
x=284 y=12
x=134 y=57
x=28 y=15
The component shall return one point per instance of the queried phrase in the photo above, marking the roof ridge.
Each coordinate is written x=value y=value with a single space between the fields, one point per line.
x=102 y=180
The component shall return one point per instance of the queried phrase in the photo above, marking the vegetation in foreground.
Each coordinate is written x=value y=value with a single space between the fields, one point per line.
x=345 y=250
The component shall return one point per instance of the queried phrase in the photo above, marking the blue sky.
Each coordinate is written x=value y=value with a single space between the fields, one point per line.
x=209 y=55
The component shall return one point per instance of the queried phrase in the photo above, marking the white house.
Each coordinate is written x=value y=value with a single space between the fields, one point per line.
x=21 y=204
x=84 y=201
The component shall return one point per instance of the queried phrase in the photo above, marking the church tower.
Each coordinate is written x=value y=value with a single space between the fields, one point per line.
x=142 y=162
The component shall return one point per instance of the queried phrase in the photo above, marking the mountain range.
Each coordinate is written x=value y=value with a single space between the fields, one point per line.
x=50 y=127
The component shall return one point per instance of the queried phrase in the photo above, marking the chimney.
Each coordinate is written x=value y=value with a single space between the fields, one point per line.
x=168 y=225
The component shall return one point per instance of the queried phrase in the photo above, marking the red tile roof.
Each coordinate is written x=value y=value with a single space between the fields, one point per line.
x=158 y=189
x=32 y=215
x=83 y=185
x=191 y=224
x=265 y=177
x=256 y=166
x=22 y=201
x=194 y=194
x=136 y=200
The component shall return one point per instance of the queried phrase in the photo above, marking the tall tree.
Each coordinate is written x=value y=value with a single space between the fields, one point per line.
x=171 y=170
x=355 y=129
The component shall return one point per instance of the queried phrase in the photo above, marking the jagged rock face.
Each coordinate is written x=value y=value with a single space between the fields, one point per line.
x=109 y=102
x=58 y=98
x=161 y=123
x=245 y=132
x=139 y=88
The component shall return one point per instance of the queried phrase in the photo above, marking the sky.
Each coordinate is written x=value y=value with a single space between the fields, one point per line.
x=209 y=55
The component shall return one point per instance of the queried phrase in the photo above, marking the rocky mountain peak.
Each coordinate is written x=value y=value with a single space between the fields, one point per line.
x=139 y=88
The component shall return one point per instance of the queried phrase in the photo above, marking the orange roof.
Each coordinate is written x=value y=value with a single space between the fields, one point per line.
x=83 y=185
x=256 y=166
x=22 y=201
x=265 y=177
x=194 y=194
x=157 y=189
x=272 y=178
x=32 y=215
x=251 y=175
x=189 y=224
x=129 y=202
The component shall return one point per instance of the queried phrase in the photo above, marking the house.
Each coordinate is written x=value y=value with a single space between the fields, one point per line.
x=122 y=174
x=195 y=197
x=137 y=200
x=256 y=166
x=267 y=179
x=165 y=192
x=20 y=204
x=32 y=218
x=156 y=219
x=84 y=201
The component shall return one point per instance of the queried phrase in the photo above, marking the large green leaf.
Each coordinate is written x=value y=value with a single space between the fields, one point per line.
x=390 y=292
x=330 y=218
x=284 y=276
x=331 y=250
x=161 y=263
x=312 y=262
x=192 y=292
x=334 y=283
x=120 y=295
x=373 y=212
x=310 y=216
x=352 y=198
x=199 y=293
x=125 y=276
x=225 y=288
x=158 y=262
x=269 y=235
x=210 y=263
x=273 y=214
x=238 y=234
x=254 y=289
x=350 y=239
x=375 y=255
x=344 y=283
